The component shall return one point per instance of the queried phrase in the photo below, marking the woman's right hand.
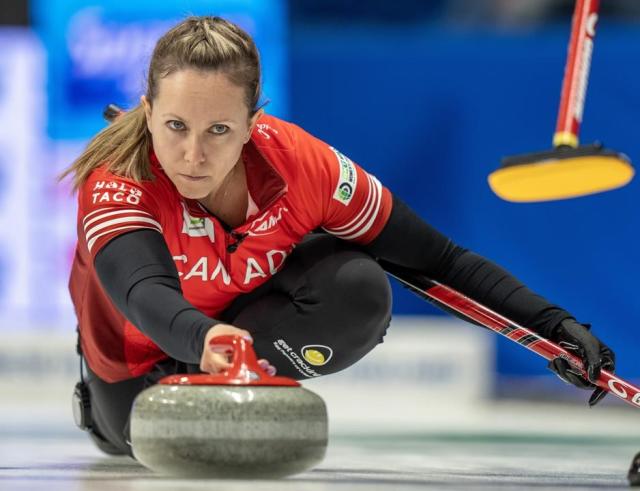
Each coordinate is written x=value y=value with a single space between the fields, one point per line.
x=214 y=362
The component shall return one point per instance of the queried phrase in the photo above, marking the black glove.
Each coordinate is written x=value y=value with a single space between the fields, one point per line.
x=595 y=355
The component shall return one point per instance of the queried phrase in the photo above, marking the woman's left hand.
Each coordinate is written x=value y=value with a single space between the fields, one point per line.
x=595 y=355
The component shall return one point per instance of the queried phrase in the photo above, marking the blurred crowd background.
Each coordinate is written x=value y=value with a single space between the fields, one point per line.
x=428 y=95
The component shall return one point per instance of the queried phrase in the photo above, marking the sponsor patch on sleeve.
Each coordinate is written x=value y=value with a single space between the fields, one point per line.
x=346 y=186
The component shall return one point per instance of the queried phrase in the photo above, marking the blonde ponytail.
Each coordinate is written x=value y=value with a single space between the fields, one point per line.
x=123 y=145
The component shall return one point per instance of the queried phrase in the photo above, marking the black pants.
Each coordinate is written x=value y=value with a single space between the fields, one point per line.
x=328 y=307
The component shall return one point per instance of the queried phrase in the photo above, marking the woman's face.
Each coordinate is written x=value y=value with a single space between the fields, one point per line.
x=199 y=122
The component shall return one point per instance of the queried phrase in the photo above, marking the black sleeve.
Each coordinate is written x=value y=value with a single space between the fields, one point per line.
x=408 y=241
x=139 y=275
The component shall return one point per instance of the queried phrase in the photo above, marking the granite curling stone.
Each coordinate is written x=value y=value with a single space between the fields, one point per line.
x=242 y=423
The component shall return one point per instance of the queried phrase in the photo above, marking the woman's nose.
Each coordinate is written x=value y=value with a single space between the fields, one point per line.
x=194 y=152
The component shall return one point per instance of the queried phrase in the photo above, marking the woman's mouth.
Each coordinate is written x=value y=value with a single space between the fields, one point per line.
x=189 y=178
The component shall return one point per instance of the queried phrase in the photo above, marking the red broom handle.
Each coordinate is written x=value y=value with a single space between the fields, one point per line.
x=469 y=309
x=576 y=74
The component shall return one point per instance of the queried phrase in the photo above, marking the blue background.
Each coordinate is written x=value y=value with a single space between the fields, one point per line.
x=431 y=112
x=116 y=39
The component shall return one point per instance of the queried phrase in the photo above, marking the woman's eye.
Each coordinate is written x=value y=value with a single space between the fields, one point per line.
x=175 y=125
x=219 y=129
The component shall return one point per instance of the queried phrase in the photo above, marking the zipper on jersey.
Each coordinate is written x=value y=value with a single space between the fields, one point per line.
x=238 y=237
x=232 y=241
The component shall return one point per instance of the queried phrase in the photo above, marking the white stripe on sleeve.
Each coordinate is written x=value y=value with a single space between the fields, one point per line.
x=110 y=213
x=99 y=210
x=361 y=216
x=365 y=219
x=117 y=221
x=126 y=227
x=374 y=215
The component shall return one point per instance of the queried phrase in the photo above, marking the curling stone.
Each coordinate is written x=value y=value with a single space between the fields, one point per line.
x=242 y=423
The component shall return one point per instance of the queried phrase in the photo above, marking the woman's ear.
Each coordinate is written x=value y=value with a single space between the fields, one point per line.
x=147 y=111
x=253 y=120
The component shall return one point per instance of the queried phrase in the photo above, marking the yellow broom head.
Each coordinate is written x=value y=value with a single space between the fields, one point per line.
x=561 y=173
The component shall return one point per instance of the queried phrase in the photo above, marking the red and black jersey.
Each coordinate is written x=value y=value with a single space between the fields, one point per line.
x=296 y=184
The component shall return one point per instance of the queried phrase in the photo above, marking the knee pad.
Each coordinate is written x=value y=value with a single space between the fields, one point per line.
x=81 y=406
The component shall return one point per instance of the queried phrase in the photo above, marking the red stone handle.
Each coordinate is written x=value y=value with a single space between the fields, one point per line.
x=244 y=370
